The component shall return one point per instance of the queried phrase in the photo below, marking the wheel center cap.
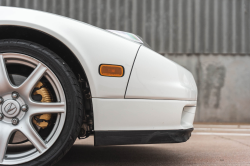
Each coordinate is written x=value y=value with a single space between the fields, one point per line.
x=10 y=108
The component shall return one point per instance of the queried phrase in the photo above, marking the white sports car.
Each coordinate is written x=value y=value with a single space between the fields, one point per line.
x=61 y=79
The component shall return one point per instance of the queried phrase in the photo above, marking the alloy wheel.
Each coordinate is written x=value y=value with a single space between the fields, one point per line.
x=18 y=108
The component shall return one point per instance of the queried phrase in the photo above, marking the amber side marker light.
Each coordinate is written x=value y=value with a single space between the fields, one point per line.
x=111 y=70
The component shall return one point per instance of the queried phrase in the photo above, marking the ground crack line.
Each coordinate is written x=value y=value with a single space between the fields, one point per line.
x=234 y=140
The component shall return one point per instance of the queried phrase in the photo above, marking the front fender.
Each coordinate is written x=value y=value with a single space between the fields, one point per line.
x=91 y=45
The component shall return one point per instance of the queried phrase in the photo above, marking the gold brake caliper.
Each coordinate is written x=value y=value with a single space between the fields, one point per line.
x=42 y=120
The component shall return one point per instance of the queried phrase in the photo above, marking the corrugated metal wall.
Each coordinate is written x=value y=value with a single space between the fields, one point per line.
x=169 y=26
x=222 y=26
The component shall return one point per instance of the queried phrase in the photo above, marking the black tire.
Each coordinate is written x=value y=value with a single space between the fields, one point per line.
x=72 y=91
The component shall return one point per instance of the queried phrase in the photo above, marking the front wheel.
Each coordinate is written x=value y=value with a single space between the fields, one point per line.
x=40 y=105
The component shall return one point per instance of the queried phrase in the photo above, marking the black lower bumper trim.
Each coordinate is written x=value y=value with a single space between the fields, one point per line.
x=141 y=137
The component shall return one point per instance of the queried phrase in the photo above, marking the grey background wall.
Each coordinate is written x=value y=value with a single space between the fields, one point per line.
x=208 y=37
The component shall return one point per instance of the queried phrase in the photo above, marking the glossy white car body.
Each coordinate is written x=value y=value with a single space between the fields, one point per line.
x=154 y=93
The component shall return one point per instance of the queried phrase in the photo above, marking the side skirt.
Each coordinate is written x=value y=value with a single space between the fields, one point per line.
x=141 y=137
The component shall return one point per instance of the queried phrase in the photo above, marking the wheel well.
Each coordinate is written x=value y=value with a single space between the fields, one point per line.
x=55 y=45
x=46 y=40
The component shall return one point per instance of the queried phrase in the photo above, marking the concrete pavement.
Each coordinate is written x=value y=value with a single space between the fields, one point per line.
x=203 y=148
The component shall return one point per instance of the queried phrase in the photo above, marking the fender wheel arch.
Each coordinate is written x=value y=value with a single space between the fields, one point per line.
x=59 y=48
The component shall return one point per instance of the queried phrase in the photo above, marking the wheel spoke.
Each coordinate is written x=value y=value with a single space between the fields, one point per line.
x=5 y=134
x=33 y=137
x=44 y=108
x=4 y=79
x=32 y=80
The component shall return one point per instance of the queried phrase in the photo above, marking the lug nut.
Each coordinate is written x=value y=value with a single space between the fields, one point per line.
x=1 y=100
x=15 y=121
x=25 y=108
x=1 y=116
x=15 y=95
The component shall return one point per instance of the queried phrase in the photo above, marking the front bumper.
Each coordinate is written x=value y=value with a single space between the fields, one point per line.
x=141 y=137
x=142 y=121
x=142 y=114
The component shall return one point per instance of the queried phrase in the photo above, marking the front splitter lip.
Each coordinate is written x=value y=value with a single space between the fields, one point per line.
x=141 y=137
